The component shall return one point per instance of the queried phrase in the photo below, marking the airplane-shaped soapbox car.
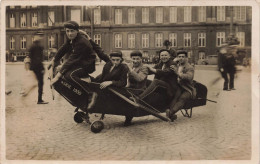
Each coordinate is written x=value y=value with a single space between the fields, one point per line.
x=118 y=101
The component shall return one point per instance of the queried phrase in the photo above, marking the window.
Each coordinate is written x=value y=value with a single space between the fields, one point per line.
x=34 y=20
x=75 y=15
x=12 y=7
x=145 y=54
x=189 y=54
x=158 y=40
x=145 y=40
x=202 y=13
x=131 y=16
x=12 y=20
x=118 y=16
x=23 y=20
x=51 y=19
x=173 y=39
x=240 y=13
x=187 y=14
x=173 y=14
x=202 y=55
x=97 y=39
x=131 y=40
x=51 y=41
x=34 y=6
x=118 y=41
x=12 y=41
x=202 y=39
x=97 y=16
x=23 y=7
x=221 y=13
x=145 y=15
x=187 y=39
x=23 y=43
x=241 y=38
x=159 y=15
x=220 y=38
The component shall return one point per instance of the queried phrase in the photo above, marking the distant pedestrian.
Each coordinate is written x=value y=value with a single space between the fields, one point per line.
x=36 y=56
x=226 y=65
x=27 y=63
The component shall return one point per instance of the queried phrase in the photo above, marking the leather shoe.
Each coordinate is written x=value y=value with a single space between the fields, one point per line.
x=226 y=89
x=172 y=117
x=42 y=102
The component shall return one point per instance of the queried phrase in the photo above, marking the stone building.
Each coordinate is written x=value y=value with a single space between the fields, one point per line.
x=199 y=29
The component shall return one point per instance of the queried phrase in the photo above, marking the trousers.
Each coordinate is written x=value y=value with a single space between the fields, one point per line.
x=74 y=76
x=151 y=88
x=228 y=82
x=179 y=100
x=39 y=73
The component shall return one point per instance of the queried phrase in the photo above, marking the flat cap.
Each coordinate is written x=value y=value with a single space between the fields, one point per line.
x=116 y=54
x=71 y=25
x=182 y=52
x=136 y=53
x=161 y=50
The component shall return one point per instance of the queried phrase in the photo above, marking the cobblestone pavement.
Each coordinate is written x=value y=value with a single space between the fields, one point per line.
x=48 y=132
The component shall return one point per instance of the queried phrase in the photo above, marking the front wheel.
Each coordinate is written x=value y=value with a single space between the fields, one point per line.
x=97 y=126
x=78 y=117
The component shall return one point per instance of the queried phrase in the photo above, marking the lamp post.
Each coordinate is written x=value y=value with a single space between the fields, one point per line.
x=231 y=20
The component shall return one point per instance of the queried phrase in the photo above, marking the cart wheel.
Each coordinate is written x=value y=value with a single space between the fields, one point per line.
x=78 y=117
x=97 y=126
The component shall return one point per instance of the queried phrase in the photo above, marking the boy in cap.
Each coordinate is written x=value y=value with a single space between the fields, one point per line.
x=138 y=73
x=186 y=91
x=114 y=73
x=36 y=56
x=81 y=60
x=164 y=76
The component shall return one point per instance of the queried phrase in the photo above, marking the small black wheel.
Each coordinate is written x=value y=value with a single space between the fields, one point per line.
x=78 y=117
x=97 y=126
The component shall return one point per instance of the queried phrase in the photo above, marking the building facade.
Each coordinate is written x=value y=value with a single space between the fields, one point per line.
x=199 y=29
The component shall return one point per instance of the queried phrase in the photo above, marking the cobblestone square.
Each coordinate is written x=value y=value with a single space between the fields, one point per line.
x=217 y=131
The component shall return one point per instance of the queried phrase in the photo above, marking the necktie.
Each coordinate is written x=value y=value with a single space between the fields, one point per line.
x=112 y=68
x=163 y=67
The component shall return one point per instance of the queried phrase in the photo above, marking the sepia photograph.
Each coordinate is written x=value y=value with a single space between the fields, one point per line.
x=151 y=81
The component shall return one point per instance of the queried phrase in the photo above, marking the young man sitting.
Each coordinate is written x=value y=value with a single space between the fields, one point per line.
x=114 y=73
x=138 y=72
x=185 y=74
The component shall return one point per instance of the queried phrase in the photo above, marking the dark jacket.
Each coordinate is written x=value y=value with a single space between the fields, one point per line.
x=138 y=77
x=226 y=60
x=80 y=52
x=36 y=56
x=118 y=75
x=166 y=74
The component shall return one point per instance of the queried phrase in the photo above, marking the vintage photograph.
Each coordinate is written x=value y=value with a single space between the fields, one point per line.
x=126 y=82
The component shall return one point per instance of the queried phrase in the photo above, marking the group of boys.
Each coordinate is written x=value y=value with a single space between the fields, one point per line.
x=81 y=62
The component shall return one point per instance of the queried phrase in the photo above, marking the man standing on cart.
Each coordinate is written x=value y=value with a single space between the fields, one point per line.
x=81 y=60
